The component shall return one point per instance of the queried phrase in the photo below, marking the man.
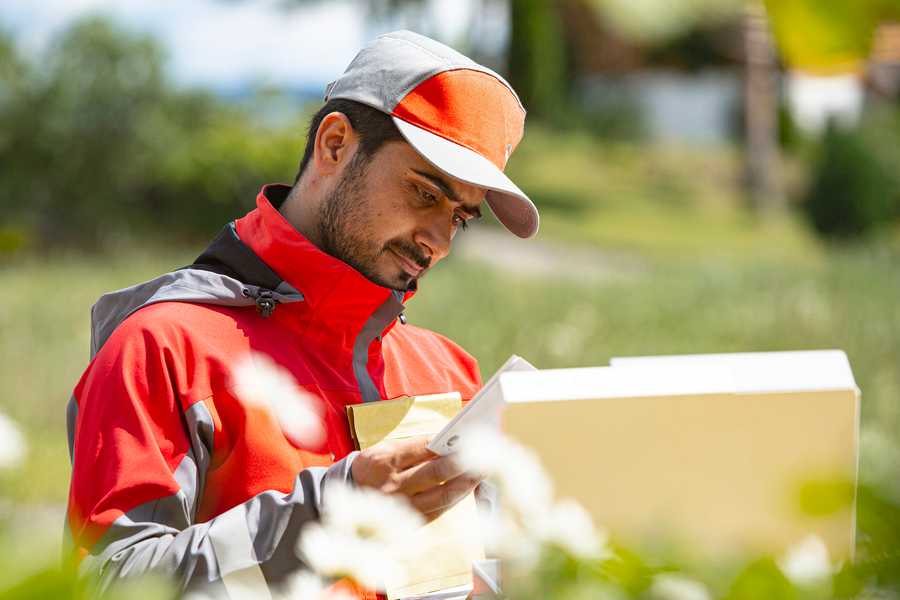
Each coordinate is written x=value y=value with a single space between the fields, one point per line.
x=172 y=471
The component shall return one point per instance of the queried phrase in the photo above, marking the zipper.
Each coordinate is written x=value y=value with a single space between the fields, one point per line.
x=265 y=301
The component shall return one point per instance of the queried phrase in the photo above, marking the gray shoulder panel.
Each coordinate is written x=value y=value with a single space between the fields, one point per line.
x=185 y=285
x=200 y=429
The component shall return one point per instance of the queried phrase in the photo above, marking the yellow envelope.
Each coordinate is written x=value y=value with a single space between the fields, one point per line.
x=445 y=548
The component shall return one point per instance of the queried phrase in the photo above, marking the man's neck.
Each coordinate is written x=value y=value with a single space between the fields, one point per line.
x=302 y=211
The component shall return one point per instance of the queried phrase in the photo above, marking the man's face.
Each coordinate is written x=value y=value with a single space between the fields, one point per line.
x=393 y=216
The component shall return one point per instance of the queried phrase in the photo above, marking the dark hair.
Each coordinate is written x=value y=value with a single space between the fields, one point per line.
x=374 y=128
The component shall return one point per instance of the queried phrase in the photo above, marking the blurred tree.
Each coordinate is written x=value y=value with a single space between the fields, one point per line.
x=100 y=83
x=656 y=21
x=95 y=141
x=855 y=186
x=855 y=189
x=828 y=36
x=12 y=70
x=536 y=61
x=13 y=78
x=536 y=58
x=69 y=143
x=760 y=111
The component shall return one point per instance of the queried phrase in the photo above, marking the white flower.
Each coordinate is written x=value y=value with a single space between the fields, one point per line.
x=568 y=526
x=523 y=484
x=368 y=514
x=675 y=587
x=336 y=554
x=302 y=585
x=261 y=382
x=12 y=443
x=807 y=561
x=358 y=535
x=505 y=538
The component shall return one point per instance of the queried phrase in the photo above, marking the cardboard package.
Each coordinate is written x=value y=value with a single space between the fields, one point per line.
x=708 y=451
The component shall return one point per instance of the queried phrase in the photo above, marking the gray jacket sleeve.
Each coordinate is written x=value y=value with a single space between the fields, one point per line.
x=240 y=553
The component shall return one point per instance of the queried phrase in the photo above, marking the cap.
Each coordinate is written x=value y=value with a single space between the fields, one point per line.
x=462 y=117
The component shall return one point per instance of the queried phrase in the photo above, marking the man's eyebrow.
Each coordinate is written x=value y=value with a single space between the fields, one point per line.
x=439 y=182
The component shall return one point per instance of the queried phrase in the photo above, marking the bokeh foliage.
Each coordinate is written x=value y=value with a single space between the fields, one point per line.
x=855 y=184
x=828 y=36
x=95 y=141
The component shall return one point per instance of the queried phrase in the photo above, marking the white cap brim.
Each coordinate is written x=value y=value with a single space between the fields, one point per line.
x=510 y=204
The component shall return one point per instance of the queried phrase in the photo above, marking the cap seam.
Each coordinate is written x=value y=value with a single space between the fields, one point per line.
x=473 y=65
x=477 y=68
x=416 y=82
x=446 y=67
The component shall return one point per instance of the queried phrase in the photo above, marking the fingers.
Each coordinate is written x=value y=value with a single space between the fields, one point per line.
x=410 y=452
x=435 y=501
x=432 y=483
x=428 y=475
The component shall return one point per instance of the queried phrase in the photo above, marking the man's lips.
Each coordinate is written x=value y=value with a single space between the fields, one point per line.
x=411 y=268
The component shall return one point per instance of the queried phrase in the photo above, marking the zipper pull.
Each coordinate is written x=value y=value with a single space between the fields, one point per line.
x=265 y=302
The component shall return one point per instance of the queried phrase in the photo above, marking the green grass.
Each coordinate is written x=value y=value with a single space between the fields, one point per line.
x=654 y=200
x=45 y=319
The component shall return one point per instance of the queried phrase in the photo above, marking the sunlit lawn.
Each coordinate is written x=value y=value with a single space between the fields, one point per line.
x=659 y=201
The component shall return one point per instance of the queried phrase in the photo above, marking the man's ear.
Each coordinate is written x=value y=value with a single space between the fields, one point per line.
x=335 y=144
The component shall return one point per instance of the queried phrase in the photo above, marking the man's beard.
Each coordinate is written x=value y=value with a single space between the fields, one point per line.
x=342 y=220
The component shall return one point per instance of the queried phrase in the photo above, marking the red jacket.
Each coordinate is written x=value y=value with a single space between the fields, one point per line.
x=173 y=472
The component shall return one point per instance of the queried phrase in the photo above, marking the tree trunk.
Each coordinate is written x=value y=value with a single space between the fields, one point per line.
x=536 y=56
x=760 y=112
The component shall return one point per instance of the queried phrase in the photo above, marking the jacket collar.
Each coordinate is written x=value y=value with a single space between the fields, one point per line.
x=332 y=289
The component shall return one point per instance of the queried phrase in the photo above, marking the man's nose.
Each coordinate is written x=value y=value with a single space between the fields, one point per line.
x=435 y=238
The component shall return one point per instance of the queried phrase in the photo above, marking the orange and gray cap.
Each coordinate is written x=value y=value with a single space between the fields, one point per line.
x=460 y=116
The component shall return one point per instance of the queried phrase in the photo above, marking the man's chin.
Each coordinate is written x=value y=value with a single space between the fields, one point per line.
x=401 y=282
x=404 y=283
x=398 y=281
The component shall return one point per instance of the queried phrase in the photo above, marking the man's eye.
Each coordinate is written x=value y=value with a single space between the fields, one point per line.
x=460 y=221
x=428 y=197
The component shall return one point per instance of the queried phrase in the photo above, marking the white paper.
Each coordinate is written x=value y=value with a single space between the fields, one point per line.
x=482 y=410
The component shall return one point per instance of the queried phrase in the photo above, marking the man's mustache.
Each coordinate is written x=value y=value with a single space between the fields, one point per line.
x=410 y=251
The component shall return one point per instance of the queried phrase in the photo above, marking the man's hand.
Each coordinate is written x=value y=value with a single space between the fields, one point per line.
x=432 y=483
